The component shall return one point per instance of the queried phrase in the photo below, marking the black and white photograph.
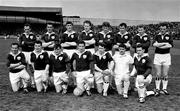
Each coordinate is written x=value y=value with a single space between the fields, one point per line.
x=89 y=55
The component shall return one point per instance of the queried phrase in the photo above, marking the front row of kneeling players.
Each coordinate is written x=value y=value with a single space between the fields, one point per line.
x=85 y=67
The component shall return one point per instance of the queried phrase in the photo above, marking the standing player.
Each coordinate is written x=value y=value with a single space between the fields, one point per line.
x=122 y=37
x=88 y=36
x=121 y=70
x=61 y=67
x=162 y=59
x=49 y=40
x=106 y=36
x=16 y=65
x=142 y=71
x=69 y=39
x=141 y=38
x=83 y=69
x=40 y=63
x=26 y=41
x=103 y=70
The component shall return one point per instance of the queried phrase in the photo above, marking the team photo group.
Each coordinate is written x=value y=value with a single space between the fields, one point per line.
x=92 y=59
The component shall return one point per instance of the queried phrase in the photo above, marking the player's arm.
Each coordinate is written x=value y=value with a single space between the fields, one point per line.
x=134 y=41
x=91 y=62
x=90 y=42
x=149 y=67
x=68 y=65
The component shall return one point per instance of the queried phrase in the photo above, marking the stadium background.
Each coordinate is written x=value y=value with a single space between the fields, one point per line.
x=11 y=23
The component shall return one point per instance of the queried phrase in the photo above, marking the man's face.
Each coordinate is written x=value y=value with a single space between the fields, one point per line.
x=140 y=51
x=101 y=49
x=141 y=30
x=27 y=29
x=81 y=47
x=57 y=51
x=122 y=50
x=37 y=47
x=14 y=49
x=163 y=29
x=87 y=27
x=49 y=28
x=105 y=29
x=122 y=29
x=69 y=27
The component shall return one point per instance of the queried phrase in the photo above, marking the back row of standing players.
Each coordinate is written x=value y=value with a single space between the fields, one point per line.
x=112 y=45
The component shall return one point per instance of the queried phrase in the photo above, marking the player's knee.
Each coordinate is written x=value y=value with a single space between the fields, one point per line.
x=78 y=91
x=106 y=78
x=140 y=81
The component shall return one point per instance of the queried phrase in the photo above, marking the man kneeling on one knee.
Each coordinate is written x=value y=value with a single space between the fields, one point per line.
x=142 y=71
x=82 y=62
x=103 y=64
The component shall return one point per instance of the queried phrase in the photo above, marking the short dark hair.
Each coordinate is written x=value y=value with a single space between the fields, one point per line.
x=102 y=44
x=122 y=45
x=87 y=22
x=69 y=22
x=106 y=24
x=27 y=25
x=81 y=42
x=57 y=46
x=163 y=25
x=14 y=43
x=140 y=46
x=141 y=26
x=49 y=23
x=123 y=24
x=38 y=42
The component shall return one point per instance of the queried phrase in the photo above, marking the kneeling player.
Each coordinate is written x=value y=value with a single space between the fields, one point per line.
x=121 y=70
x=16 y=64
x=40 y=63
x=61 y=67
x=102 y=60
x=142 y=69
x=82 y=69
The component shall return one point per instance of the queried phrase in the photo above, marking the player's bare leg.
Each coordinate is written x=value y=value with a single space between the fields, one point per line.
x=158 y=80
x=105 y=85
x=58 y=88
x=126 y=86
x=165 y=79
x=99 y=87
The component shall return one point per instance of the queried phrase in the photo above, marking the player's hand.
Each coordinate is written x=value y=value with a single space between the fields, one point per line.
x=127 y=44
x=22 y=42
x=47 y=72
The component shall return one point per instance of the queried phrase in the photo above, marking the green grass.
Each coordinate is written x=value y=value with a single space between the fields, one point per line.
x=51 y=101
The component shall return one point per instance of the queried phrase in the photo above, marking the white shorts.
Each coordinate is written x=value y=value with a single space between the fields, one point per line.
x=39 y=76
x=15 y=77
x=69 y=52
x=84 y=77
x=60 y=77
x=162 y=59
x=27 y=57
x=140 y=81
x=98 y=77
x=120 y=77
